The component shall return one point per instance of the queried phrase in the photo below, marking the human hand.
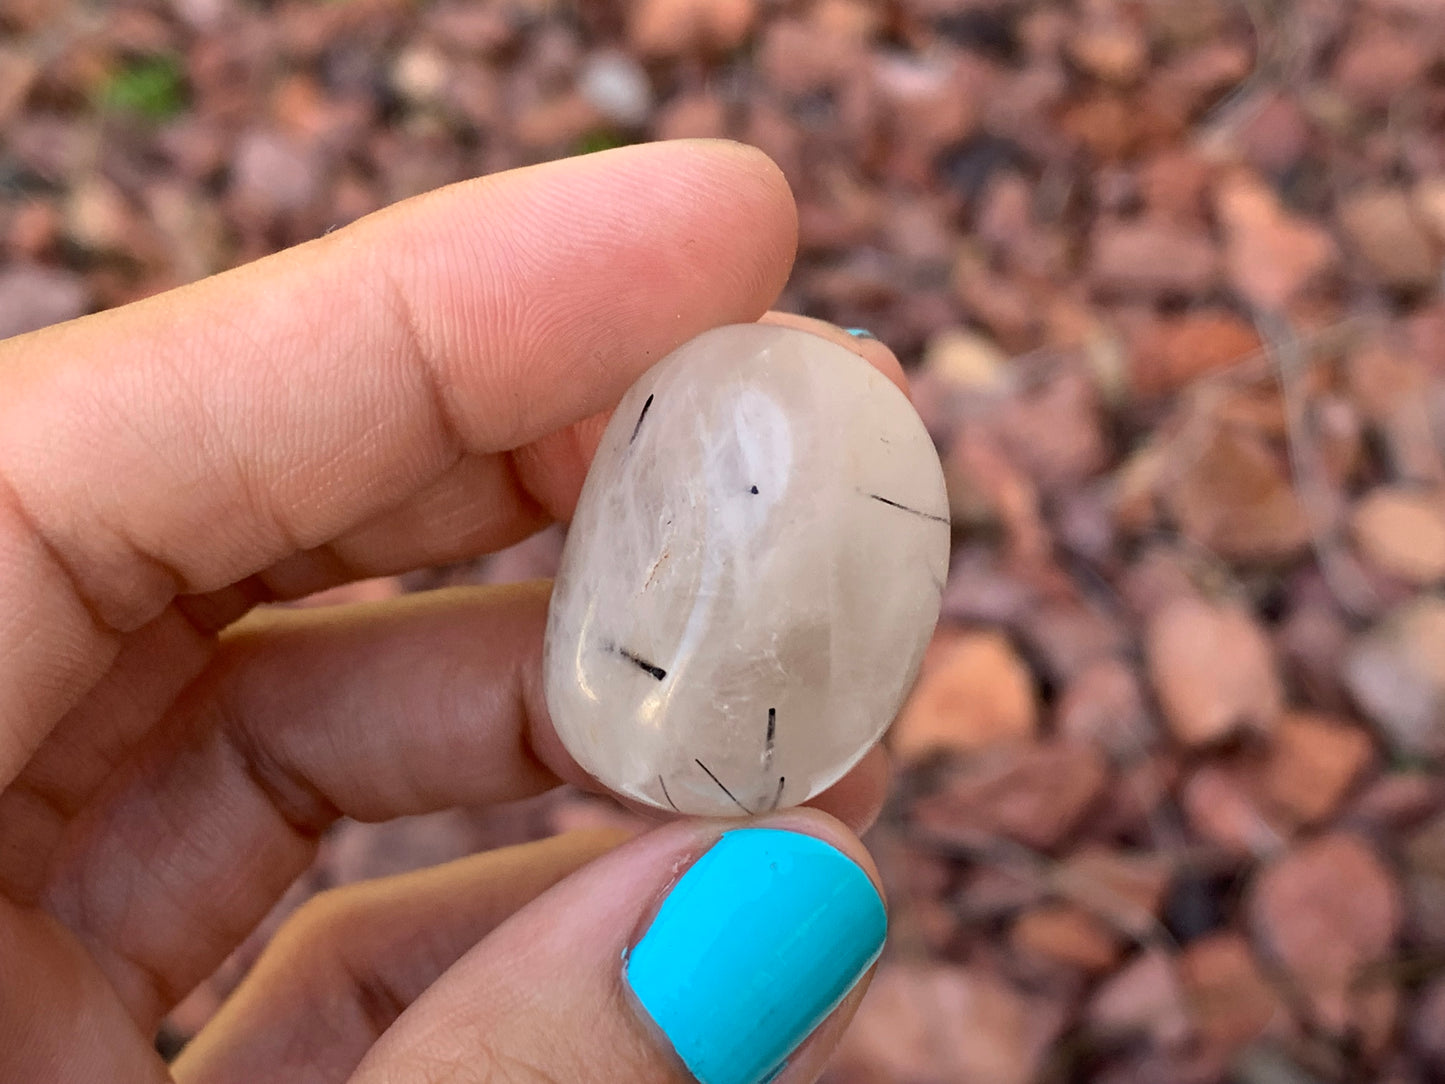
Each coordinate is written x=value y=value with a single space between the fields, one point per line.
x=421 y=387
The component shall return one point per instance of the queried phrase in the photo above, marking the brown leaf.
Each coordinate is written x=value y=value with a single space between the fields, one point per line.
x=1110 y=49
x=1397 y=801
x=1382 y=229
x=1312 y=643
x=1424 y=856
x=975 y=692
x=985 y=485
x=1401 y=532
x=1142 y=998
x=18 y=73
x=1224 y=809
x=1230 y=494
x=1034 y=794
x=1327 y=910
x=1173 y=352
x=1103 y=705
x=693 y=116
x=939 y=1024
x=668 y=28
x=1125 y=888
x=1390 y=387
x=1313 y=762
x=1054 y=430
x=1061 y=933
x=1396 y=674
x=1174 y=183
x=1379 y=62
x=1067 y=636
x=1273 y=256
x=1427 y=1028
x=32 y=297
x=1230 y=1002
x=1153 y=258
x=1213 y=670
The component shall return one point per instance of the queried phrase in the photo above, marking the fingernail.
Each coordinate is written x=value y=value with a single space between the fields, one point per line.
x=860 y=333
x=751 y=950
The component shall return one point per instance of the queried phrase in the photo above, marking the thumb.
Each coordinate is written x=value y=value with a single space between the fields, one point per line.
x=728 y=955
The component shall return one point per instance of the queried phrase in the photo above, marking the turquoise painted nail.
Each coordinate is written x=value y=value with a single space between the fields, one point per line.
x=860 y=333
x=754 y=946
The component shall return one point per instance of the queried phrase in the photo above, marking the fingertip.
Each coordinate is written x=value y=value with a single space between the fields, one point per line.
x=748 y=160
x=771 y=178
x=761 y=183
x=723 y=173
x=763 y=938
x=830 y=829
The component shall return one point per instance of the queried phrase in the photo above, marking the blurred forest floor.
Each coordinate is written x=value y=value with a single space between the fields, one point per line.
x=1167 y=275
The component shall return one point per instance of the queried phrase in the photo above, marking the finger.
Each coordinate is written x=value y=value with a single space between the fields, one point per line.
x=445 y=521
x=373 y=711
x=630 y=970
x=186 y=442
x=86 y=746
x=59 y=1020
x=304 y=665
x=351 y=959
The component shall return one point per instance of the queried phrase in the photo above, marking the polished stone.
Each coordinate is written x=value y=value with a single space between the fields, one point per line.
x=751 y=577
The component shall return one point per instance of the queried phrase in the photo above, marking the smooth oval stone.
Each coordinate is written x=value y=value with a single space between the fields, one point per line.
x=752 y=574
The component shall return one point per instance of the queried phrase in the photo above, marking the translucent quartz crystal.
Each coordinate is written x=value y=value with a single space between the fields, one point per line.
x=752 y=574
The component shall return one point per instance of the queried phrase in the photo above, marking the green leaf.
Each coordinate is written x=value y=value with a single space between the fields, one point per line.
x=150 y=87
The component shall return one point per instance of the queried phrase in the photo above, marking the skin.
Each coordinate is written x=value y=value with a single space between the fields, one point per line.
x=423 y=386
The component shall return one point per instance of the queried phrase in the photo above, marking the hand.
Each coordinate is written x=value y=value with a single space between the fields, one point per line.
x=423 y=386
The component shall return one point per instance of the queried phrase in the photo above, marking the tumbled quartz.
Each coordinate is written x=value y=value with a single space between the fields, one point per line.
x=753 y=571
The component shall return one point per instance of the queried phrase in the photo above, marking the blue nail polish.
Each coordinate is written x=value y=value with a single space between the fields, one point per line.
x=754 y=946
x=860 y=333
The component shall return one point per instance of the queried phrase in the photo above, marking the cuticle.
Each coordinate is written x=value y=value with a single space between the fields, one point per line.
x=706 y=840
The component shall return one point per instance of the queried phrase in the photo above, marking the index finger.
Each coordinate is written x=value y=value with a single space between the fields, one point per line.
x=183 y=443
